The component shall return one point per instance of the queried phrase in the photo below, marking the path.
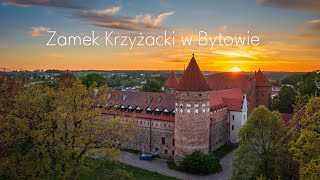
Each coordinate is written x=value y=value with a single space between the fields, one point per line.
x=160 y=166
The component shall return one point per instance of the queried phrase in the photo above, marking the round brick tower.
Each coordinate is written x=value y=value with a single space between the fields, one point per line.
x=192 y=118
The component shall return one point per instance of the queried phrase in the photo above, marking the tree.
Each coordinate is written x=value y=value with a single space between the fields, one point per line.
x=152 y=85
x=308 y=86
x=284 y=101
x=293 y=79
x=261 y=146
x=49 y=132
x=305 y=142
x=200 y=163
x=300 y=102
x=92 y=78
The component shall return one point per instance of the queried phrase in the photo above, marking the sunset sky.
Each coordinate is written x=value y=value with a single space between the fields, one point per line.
x=289 y=33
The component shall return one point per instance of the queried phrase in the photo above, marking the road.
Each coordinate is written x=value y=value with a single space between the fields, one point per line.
x=160 y=166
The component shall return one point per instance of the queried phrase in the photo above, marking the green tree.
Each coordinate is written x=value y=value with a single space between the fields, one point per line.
x=284 y=101
x=152 y=85
x=49 y=132
x=300 y=102
x=308 y=85
x=293 y=79
x=305 y=141
x=93 y=78
x=261 y=146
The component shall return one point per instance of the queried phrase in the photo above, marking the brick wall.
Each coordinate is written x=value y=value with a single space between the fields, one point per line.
x=192 y=123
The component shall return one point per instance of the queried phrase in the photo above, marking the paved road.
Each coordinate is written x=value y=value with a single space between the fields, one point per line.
x=160 y=166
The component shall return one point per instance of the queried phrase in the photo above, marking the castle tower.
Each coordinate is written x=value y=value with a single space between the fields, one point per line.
x=192 y=119
x=263 y=90
x=171 y=83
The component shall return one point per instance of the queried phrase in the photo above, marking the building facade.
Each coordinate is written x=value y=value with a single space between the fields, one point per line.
x=190 y=115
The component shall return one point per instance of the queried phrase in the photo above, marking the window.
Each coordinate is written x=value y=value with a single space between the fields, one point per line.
x=232 y=127
x=166 y=113
x=163 y=140
x=232 y=117
x=165 y=151
x=172 y=153
x=172 y=142
x=157 y=112
x=149 y=111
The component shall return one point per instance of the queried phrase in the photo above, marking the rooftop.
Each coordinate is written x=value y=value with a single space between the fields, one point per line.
x=193 y=79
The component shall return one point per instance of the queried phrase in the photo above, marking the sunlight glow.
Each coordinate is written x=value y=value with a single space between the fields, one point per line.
x=235 y=69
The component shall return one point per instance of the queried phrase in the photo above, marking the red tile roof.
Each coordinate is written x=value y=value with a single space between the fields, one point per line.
x=233 y=104
x=261 y=80
x=231 y=97
x=172 y=81
x=229 y=80
x=142 y=99
x=192 y=79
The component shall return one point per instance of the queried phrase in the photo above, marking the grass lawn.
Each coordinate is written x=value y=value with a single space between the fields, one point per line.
x=108 y=170
x=223 y=150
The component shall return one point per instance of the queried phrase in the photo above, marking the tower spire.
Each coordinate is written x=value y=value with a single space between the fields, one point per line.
x=193 y=79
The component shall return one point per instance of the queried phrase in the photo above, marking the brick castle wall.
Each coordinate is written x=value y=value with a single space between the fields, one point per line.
x=263 y=96
x=192 y=123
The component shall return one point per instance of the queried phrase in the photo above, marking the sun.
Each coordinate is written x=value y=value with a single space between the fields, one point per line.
x=235 y=69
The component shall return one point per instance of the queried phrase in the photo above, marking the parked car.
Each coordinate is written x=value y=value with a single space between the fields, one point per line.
x=146 y=156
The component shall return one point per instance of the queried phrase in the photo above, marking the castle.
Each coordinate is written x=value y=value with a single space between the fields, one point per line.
x=195 y=113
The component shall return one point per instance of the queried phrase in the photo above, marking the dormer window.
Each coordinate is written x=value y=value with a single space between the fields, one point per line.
x=122 y=108
x=157 y=111
x=149 y=110
x=130 y=109
x=138 y=109
x=173 y=112
x=115 y=106
x=166 y=112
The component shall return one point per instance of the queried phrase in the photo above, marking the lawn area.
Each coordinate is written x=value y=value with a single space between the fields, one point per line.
x=108 y=170
x=223 y=150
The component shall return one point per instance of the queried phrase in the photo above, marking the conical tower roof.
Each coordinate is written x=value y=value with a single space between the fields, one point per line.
x=192 y=79
x=261 y=80
x=172 y=81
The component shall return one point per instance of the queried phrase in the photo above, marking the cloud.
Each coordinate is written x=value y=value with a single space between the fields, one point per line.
x=100 y=13
x=149 y=22
x=48 y=3
x=311 y=30
x=38 y=31
x=313 y=25
x=108 y=18
x=300 y=5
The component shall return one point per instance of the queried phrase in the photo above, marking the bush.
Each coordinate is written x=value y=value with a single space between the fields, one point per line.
x=200 y=163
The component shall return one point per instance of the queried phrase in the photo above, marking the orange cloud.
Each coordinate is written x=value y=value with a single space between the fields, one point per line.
x=38 y=31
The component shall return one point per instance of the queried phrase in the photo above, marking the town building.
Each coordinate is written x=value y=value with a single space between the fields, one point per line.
x=195 y=113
